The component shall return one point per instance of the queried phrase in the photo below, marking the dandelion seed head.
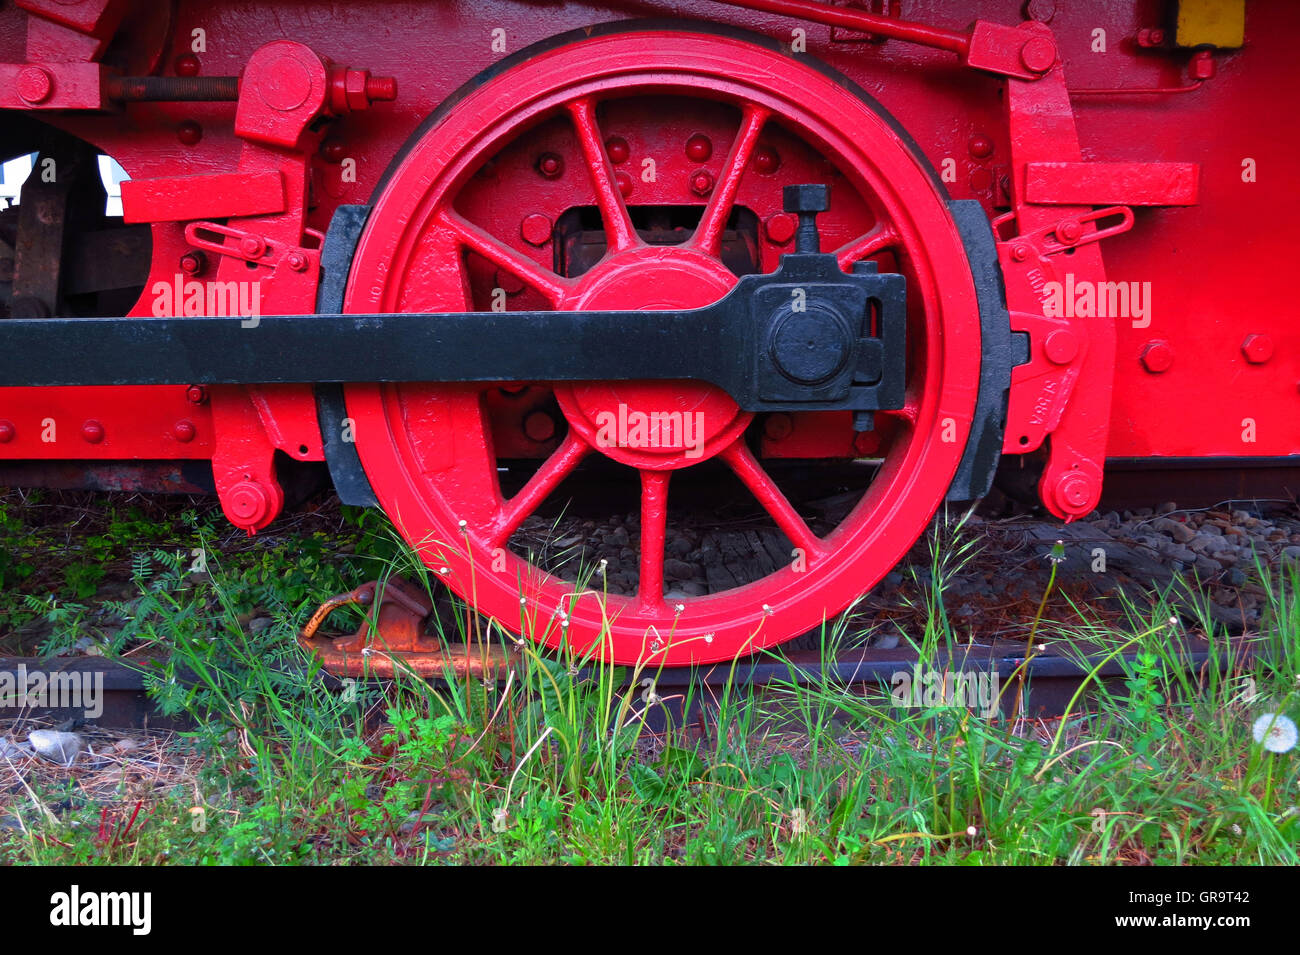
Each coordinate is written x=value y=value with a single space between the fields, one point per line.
x=971 y=830
x=1275 y=732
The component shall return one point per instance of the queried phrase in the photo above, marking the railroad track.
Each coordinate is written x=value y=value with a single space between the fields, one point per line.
x=874 y=647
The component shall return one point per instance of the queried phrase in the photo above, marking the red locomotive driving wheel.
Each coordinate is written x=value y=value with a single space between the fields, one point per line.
x=538 y=187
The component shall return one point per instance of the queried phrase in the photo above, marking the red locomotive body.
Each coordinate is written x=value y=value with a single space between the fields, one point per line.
x=1086 y=204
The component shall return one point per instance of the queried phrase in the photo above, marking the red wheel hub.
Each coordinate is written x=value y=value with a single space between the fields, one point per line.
x=663 y=424
x=462 y=223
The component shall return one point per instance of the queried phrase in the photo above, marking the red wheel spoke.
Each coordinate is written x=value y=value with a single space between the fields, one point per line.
x=761 y=485
x=654 y=525
x=548 y=477
x=619 y=232
x=552 y=286
x=708 y=235
x=880 y=237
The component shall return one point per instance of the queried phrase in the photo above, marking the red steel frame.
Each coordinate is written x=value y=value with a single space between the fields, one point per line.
x=1189 y=196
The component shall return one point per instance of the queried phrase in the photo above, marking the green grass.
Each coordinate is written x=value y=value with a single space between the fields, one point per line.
x=557 y=766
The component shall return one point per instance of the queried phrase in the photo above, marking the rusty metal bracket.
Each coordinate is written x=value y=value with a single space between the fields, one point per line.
x=396 y=642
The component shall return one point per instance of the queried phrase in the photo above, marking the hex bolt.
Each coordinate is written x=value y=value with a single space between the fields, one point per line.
x=701 y=182
x=806 y=201
x=1070 y=231
x=35 y=84
x=193 y=262
x=1157 y=357
x=699 y=148
x=196 y=394
x=297 y=261
x=1020 y=252
x=617 y=149
x=1257 y=349
x=184 y=431
x=550 y=165
x=535 y=229
x=92 y=431
x=252 y=246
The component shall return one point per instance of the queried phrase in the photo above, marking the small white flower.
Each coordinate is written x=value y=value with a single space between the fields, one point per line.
x=971 y=830
x=767 y=609
x=708 y=638
x=1277 y=733
x=523 y=601
x=463 y=523
x=444 y=570
x=680 y=607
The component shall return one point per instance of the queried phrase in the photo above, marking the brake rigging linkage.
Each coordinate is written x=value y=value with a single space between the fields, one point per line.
x=805 y=337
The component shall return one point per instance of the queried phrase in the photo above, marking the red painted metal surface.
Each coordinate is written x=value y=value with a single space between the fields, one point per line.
x=1107 y=183
x=1042 y=112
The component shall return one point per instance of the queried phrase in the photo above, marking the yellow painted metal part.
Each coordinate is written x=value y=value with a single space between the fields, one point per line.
x=1220 y=23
